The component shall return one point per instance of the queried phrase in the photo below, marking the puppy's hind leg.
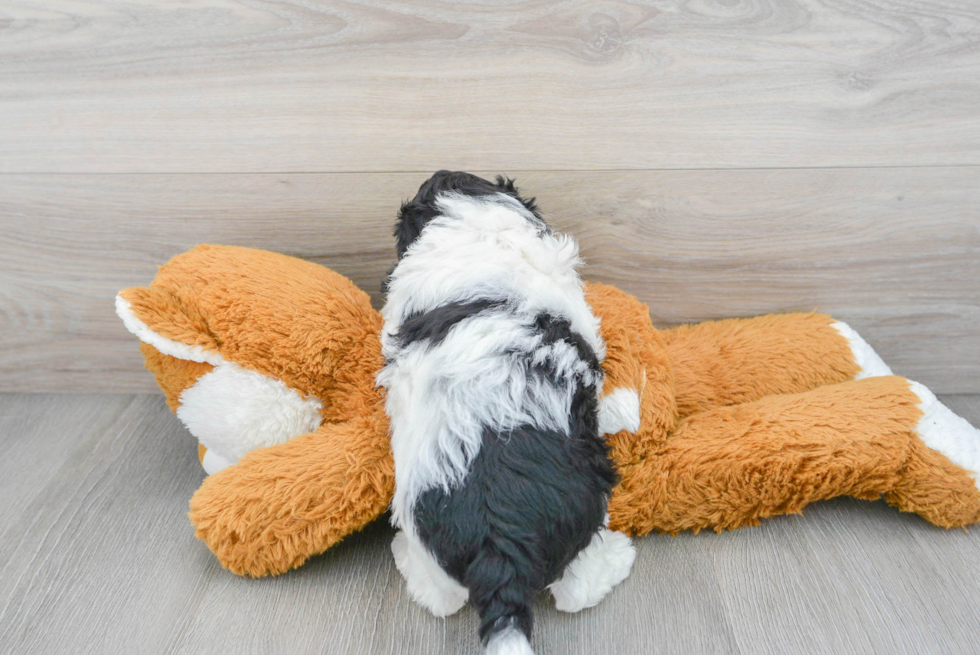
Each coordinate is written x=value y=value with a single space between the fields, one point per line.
x=599 y=567
x=428 y=584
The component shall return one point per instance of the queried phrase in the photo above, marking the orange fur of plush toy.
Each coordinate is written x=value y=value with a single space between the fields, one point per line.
x=739 y=419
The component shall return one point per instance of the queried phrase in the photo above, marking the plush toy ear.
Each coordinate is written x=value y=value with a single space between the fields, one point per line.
x=229 y=408
x=173 y=375
x=159 y=319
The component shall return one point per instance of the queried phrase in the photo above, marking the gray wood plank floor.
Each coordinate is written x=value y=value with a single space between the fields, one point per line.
x=97 y=556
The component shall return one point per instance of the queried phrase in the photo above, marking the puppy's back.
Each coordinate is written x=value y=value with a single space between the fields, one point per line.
x=493 y=376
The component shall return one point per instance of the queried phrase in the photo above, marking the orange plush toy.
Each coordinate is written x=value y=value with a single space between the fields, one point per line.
x=270 y=362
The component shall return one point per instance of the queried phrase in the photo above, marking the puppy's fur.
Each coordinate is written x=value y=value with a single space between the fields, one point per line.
x=493 y=378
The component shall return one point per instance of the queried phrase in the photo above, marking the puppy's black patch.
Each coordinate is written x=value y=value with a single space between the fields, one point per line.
x=533 y=497
x=435 y=324
x=415 y=213
x=555 y=328
x=532 y=500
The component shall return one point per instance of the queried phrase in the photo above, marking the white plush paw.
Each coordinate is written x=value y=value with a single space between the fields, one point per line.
x=213 y=462
x=618 y=411
x=602 y=565
x=871 y=365
x=942 y=430
x=428 y=584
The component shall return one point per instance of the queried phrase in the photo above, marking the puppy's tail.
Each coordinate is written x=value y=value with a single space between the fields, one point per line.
x=503 y=598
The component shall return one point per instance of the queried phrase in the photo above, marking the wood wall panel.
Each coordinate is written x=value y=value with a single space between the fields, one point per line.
x=409 y=85
x=894 y=252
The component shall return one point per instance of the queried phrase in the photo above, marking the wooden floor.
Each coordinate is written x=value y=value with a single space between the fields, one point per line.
x=97 y=556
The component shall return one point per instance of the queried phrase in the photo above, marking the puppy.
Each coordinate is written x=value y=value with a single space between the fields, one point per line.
x=492 y=371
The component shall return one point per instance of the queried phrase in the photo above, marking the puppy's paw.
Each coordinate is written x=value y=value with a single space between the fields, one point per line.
x=428 y=584
x=602 y=565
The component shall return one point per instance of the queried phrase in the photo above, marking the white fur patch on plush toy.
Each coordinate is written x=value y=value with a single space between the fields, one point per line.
x=619 y=411
x=942 y=430
x=233 y=410
x=871 y=364
x=212 y=462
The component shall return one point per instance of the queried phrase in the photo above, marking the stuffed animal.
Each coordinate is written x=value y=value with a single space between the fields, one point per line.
x=270 y=362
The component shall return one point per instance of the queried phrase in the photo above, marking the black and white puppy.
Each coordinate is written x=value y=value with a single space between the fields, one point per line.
x=493 y=378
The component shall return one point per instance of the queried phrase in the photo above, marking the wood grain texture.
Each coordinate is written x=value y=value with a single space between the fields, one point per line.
x=36 y=443
x=410 y=85
x=97 y=556
x=100 y=558
x=838 y=148
x=894 y=252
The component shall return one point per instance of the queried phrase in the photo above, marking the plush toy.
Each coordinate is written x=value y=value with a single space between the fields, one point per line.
x=270 y=362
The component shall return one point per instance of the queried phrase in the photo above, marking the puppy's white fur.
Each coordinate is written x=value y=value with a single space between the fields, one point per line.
x=602 y=565
x=449 y=262
x=428 y=584
x=509 y=642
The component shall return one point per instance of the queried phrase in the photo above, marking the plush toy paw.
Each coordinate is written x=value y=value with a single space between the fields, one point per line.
x=231 y=409
x=950 y=434
x=868 y=361
x=211 y=461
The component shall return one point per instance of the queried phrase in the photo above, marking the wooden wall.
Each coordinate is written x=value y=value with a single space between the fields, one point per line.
x=714 y=157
